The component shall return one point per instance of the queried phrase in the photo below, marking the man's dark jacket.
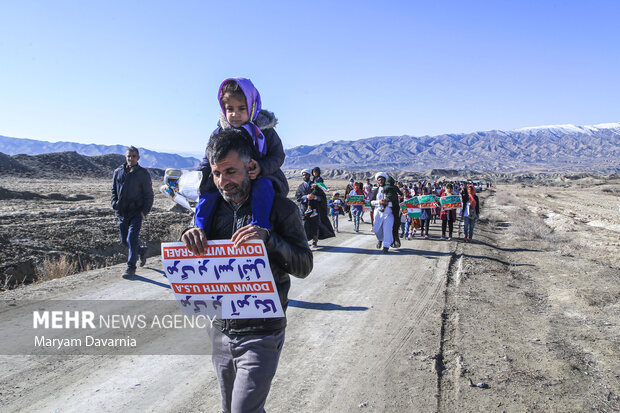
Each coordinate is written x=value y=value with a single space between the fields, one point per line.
x=132 y=191
x=287 y=250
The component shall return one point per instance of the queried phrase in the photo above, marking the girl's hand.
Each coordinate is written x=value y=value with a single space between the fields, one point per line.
x=253 y=169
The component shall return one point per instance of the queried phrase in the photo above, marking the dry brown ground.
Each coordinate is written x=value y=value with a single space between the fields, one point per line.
x=531 y=309
x=73 y=219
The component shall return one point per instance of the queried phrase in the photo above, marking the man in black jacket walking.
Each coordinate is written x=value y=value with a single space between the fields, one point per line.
x=246 y=351
x=132 y=199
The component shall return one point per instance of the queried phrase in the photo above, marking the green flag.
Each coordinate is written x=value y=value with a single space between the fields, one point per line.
x=450 y=202
x=355 y=199
x=322 y=186
x=412 y=207
x=427 y=201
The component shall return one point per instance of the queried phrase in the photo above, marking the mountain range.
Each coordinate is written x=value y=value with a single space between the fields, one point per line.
x=556 y=148
x=540 y=149
x=148 y=158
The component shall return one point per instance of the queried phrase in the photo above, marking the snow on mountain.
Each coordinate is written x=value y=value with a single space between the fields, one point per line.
x=571 y=128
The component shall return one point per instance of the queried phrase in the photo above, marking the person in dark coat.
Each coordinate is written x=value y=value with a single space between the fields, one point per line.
x=314 y=204
x=317 y=226
x=132 y=200
x=326 y=229
x=394 y=194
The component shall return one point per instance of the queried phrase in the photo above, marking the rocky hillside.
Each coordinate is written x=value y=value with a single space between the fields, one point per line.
x=59 y=165
x=541 y=149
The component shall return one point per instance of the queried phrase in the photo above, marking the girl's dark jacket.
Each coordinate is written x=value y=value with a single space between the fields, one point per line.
x=270 y=163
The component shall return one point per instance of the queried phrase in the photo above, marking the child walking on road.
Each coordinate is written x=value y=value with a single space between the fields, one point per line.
x=336 y=208
x=357 y=210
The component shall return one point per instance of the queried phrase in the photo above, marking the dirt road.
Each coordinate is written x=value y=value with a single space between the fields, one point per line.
x=363 y=329
x=402 y=332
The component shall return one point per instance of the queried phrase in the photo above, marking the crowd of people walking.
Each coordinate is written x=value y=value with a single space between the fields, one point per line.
x=384 y=200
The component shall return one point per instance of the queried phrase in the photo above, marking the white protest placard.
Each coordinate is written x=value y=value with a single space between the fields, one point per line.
x=233 y=282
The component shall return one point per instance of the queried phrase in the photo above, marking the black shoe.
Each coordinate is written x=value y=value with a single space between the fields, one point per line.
x=379 y=244
x=314 y=242
x=385 y=250
x=129 y=273
x=142 y=258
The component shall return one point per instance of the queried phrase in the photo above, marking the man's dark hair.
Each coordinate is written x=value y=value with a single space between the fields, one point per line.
x=132 y=149
x=229 y=140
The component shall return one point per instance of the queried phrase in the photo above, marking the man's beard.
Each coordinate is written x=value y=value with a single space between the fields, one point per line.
x=238 y=192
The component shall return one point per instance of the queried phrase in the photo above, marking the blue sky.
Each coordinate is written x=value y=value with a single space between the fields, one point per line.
x=146 y=72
